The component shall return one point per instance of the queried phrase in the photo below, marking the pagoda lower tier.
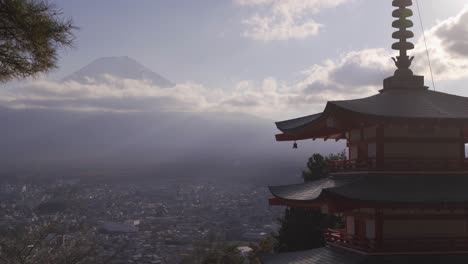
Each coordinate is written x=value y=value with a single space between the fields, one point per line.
x=388 y=214
x=334 y=255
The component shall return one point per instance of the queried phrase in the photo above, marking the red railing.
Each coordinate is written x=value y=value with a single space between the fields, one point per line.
x=398 y=165
x=405 y=245
x=341 y=238
x=351 y=165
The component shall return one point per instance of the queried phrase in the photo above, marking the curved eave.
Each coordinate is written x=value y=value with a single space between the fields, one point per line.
x=447 y=191
x=313 y=126
x=308 y=192
x=297 y=123
x=325 y=133
x=409 y=104
x=392 y=106
x=406 y=104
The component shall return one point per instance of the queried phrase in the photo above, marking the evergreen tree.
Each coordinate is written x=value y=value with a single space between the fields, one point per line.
x=31 y=32
x=302 y=229
x=225 y=254
x=214 y=253
x=47 y=244
x=317 y=166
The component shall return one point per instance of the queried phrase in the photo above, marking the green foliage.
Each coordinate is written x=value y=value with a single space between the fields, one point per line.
x=45 y=244
x=337 y=156
x=226 y=254
x=31 y=32
x=265 y=246
x=317 y=165
x=316 y=168
x=215 y=253
x=302 y=229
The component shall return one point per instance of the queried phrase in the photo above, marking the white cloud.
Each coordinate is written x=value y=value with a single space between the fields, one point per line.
x=269 y=98
x=284 y=19
x=448 y=48
x=354 y=74
x=254 y=2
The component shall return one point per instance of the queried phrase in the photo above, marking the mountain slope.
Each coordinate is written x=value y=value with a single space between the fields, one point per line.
x=120 y=67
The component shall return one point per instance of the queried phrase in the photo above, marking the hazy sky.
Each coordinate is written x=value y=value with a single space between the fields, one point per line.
x=273 y=58
x=205 y=41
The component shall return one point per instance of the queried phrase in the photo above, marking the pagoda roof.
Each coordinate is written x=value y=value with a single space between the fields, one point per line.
x=323 y=255
x=297 y=122
x=396 y=103
x=404 y=103
x=330 y=255
x=425 y=189
x=309 y=191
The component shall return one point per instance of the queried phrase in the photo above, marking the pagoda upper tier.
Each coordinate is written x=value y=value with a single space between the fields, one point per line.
x=392 y=106
x=405 y=126
x=393 y=131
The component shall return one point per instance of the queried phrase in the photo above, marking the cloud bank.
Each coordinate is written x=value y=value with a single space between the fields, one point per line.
x=353 y=74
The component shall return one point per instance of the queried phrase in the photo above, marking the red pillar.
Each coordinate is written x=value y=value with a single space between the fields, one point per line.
x=462 y=148
x=380 y=147
x=379 y=220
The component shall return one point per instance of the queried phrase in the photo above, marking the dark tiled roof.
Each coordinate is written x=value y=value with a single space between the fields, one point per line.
x=410 y=104
x=323 y=255
x=296 y=123
x=399 y=103
x=381 y=188
x=329 y=255
x=308 y=191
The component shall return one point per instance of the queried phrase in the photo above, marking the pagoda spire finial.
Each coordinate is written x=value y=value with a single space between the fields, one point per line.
x=403 y=77
x=403 y=61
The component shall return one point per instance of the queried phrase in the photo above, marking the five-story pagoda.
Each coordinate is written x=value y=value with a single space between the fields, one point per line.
x=404 y=189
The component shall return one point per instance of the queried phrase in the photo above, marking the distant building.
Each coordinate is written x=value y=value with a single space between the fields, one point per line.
x=404 y=188
x=115 y=228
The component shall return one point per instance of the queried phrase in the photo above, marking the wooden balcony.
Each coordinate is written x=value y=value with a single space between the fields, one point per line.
x=352 y=165
x=397 y=245
x=397 y=165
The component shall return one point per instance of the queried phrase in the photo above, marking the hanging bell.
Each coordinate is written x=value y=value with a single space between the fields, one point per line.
x=295 y=145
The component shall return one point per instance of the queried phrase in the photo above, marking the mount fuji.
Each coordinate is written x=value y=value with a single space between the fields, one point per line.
x=120 y=67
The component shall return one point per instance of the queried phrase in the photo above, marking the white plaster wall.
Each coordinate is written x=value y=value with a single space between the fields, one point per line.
x=370 y=132
x=372 y=150
x=366 y=210
x=355 y=135
x=424 y=228
x=350 y=225
x=421 y=150
x=331 y=122
x=392 y=131
x=353 y=152
x=370 y=229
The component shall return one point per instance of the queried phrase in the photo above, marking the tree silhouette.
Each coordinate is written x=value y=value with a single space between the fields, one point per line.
x=31 y=33
x=45 y=244
x=302 y=229
x=317 y=166
x=214 y=253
